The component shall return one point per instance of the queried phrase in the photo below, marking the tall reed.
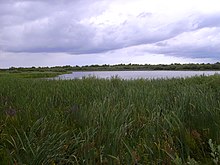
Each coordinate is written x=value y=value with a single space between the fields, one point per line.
x=97 y=121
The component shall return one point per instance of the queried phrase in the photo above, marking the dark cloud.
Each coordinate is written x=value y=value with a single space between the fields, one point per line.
x=45 y=26
x=201 y=43
x=193 y=52
x=73 y=27
x=210 y=20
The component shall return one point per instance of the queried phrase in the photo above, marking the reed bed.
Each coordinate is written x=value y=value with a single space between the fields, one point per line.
x=97 y=121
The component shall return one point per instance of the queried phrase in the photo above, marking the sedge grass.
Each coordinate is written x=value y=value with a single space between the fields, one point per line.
x=97 y=121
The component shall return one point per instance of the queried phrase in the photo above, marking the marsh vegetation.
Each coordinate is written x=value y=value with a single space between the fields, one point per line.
x=97 y=121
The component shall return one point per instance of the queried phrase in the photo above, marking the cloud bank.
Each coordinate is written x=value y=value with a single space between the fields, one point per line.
x=187 y=29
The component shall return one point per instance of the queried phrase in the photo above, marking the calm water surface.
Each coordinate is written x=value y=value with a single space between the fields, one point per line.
x=136 y=74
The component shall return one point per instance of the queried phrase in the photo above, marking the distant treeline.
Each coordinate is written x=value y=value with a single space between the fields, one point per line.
x=118 y=67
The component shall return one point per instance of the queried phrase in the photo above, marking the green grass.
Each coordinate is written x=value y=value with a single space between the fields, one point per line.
x=30 y=74
x=93 y=121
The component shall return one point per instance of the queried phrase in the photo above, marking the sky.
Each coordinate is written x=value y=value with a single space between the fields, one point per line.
x=85 y=32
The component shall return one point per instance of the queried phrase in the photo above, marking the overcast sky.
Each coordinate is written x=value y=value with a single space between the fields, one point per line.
x=84 y=32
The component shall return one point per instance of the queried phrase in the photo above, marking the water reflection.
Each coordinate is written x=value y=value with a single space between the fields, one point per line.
x=136 y=74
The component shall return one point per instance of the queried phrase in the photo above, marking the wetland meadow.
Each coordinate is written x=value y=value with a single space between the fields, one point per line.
x=109 y=121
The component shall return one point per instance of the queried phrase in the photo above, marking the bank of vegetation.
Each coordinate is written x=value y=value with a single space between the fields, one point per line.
x=118 y=67
x=97 y=121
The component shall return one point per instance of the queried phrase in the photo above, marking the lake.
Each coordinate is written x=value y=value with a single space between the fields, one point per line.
x=136 y=74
